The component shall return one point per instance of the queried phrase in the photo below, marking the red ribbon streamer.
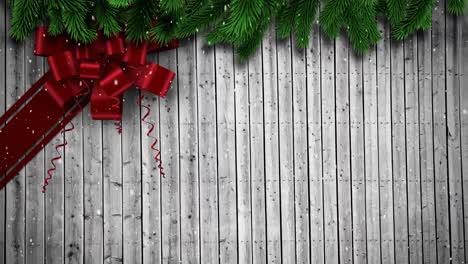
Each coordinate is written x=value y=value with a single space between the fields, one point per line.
x=98 y=73
x=56 y=158
x=157 y=157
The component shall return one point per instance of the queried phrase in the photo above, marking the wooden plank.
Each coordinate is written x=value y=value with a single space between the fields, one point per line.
x=286 y=152
x=343 y=151
x=112 y=193
x=426 y=145
x=226 y=133
x=34 y=233
x=462 y=29
x=384 y=118
x=314 y=136
x=371 y=156
x=188 y=145
x=3 y=108
x=455 y=185
x=329 y=151
x=207 y=169
x=272 y=160
x=74 y=191
x=358 y=191
x=400 y=212
x=170 y=186
x=244 y=201
x=301 y=177
x=440 y=133
x=131 y=179
x=257 y=162
x=412 y=150
x=16 y=189
x=93 y=188
x=151 y=177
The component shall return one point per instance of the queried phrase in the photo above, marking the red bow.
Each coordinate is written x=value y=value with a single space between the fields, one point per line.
x=106 y=68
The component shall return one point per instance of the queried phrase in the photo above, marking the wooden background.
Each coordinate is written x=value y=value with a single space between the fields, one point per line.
x=308 y=156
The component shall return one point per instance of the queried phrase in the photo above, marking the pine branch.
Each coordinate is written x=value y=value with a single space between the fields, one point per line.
x=164 y=31
x=304 y=20
x=456 y=7
x=286 y=19
x=56 y=26
x=362 y=25
x=416 y=13
x=249 y=46
x=27 y=14
x=244 y=16
x=395 y=10
x=172 y=7
x=75 y=17
x=106 y=16
x=120 y=3
x=140 y=19
x=331 y=17
x=199 y=15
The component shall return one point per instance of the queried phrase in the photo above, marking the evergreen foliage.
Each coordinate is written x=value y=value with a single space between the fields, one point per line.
x=239 y=22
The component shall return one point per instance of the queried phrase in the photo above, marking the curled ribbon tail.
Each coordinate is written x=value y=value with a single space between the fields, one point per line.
x=151 y=125
x=56 y=158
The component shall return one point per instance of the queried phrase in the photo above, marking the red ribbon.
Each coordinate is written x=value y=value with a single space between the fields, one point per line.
x=109 y=65
x=98 y=73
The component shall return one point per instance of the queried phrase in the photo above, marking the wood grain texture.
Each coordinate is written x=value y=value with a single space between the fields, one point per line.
x=440 y=134
x=286 y=152
x=343 y=153
x=318 y=155
x=34 y=237
x=384 y=123
x=271 y=131
x=15 y=213
x=426 y=144
x=226 y=153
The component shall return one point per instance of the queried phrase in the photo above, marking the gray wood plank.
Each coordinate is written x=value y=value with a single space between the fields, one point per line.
x=329 y=150
x=343 y=150
x=358 y=191
x=244 y=201
x=385 y=146
x=16 y=188
x=440 y=132
x=371 y=156
x=399 y=153
x=462 y=29
x=74 y=192
x=257 y=162
x=93 y=189
x=286 y=151
x=34 y=233
x=188 y=145
x=412 y=150
x=131 y=178
x=112 y=193
x=207 y=112
x=170 y=186
x=314 y=135
x=454 y=163
x=426 y=145
x=272 y=159
x=3 y=108
x=151 y=177
x=226 y=153
x=301 y=177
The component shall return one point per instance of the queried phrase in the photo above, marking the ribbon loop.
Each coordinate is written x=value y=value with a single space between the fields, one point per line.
x=155 y=79
x=63 y=65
